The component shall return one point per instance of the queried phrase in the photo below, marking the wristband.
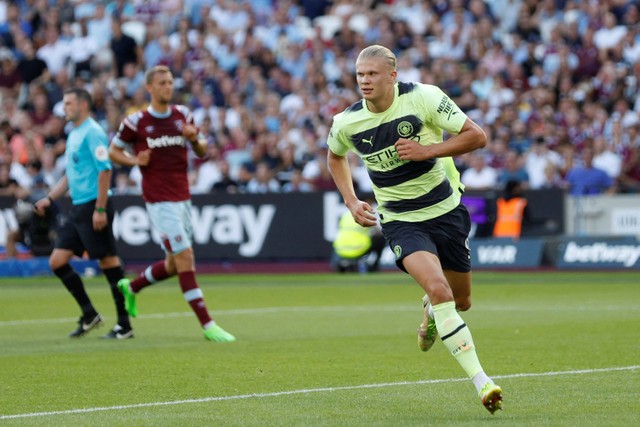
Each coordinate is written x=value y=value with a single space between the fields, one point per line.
x=100 y=210
x=50 y=199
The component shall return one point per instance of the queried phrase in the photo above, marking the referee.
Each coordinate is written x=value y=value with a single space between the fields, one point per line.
x=88 y=224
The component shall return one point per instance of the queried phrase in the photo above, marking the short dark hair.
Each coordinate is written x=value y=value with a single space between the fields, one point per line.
x=81 y=94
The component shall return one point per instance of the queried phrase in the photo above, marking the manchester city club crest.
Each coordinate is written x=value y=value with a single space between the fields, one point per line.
x=405 y=129
x=397 y=250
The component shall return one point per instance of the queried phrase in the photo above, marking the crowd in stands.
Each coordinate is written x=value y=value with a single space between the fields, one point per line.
x=554 y=83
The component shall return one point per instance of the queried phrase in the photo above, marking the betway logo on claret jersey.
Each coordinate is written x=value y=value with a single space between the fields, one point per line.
x=626 y=255
x=166 y=141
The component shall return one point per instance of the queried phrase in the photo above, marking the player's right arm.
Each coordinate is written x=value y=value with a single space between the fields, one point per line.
x=361 y=211
x=338 y=165
x=126 y=135
x=120 y=156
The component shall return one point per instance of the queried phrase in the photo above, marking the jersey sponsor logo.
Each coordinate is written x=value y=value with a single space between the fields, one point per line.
x=101 y=153
x=405 y=129
x=385 y=158
x=166 y=141
x=446 y=107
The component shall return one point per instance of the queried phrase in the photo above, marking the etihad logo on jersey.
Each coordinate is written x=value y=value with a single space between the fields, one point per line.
x=446 y=107
x=166 y=141
x=385 y=159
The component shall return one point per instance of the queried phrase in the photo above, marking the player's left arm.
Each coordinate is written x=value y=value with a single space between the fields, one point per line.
x=470 y=138
x=443 y=113
x=198 y=142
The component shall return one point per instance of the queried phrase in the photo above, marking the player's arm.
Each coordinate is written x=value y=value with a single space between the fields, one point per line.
x=119 y=155
x=58 y=190
x=197 y=141
x=361 y=211
x=471 y=137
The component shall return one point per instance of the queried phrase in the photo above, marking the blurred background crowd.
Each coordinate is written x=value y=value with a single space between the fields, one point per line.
x=554 y=83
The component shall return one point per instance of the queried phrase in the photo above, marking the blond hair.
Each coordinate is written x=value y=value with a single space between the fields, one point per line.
x=151 y=72
x=377 y=51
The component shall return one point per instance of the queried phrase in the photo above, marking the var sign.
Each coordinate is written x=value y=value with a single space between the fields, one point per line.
x=505 y=253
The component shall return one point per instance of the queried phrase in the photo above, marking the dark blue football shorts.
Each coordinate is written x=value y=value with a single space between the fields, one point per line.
x=446 y=236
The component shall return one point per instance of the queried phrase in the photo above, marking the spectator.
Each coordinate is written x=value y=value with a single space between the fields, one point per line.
x=587 y=179
x=630 y=175
x=226 y=184
x=536 y=161
x=605 y=159
x=82 y=49
x=10 y=79
x=209 y=173
x=55 y=52
x=296 y=183
x=124 y=48
x=263 y=180
x=513 y=171
x=479 y=176
x=30 y=66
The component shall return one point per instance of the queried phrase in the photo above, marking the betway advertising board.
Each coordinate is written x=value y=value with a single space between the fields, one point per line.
x=505 y=253
x=599 y=253
x=274 y=226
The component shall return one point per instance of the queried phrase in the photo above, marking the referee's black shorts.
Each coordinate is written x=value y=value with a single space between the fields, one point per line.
x=75 y=232
x=446 y=236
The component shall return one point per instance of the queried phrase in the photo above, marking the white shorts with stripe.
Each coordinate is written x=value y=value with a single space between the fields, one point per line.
x=172 y=221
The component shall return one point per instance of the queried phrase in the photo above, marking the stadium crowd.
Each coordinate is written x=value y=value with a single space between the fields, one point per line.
x=554 y=83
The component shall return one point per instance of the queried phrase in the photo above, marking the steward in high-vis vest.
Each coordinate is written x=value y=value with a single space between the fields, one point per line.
x=510 y=212
x=353 y=242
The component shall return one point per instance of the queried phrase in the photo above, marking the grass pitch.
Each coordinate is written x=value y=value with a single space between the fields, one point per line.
x=326 y=350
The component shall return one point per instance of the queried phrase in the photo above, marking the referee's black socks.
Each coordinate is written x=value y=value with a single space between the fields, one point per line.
x=113 y=275
x=74 y=285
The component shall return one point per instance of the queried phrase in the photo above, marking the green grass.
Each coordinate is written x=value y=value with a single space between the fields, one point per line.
x=328 y=350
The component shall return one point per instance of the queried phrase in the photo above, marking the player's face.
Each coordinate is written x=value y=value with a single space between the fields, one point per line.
x=161 y=87
x=71 y=107
x=376 y=79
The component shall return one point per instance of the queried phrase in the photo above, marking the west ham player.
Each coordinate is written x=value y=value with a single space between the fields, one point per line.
x=397 y=129
x=158 y=138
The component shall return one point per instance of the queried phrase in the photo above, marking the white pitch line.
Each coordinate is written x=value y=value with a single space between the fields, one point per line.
x=304 y=391
x=330 y=309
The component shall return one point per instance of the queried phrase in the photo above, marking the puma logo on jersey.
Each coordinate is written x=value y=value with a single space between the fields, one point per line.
x=368 y=141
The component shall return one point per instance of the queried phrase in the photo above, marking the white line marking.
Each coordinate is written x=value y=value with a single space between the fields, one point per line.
x=305 y=391
x=332 y=309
